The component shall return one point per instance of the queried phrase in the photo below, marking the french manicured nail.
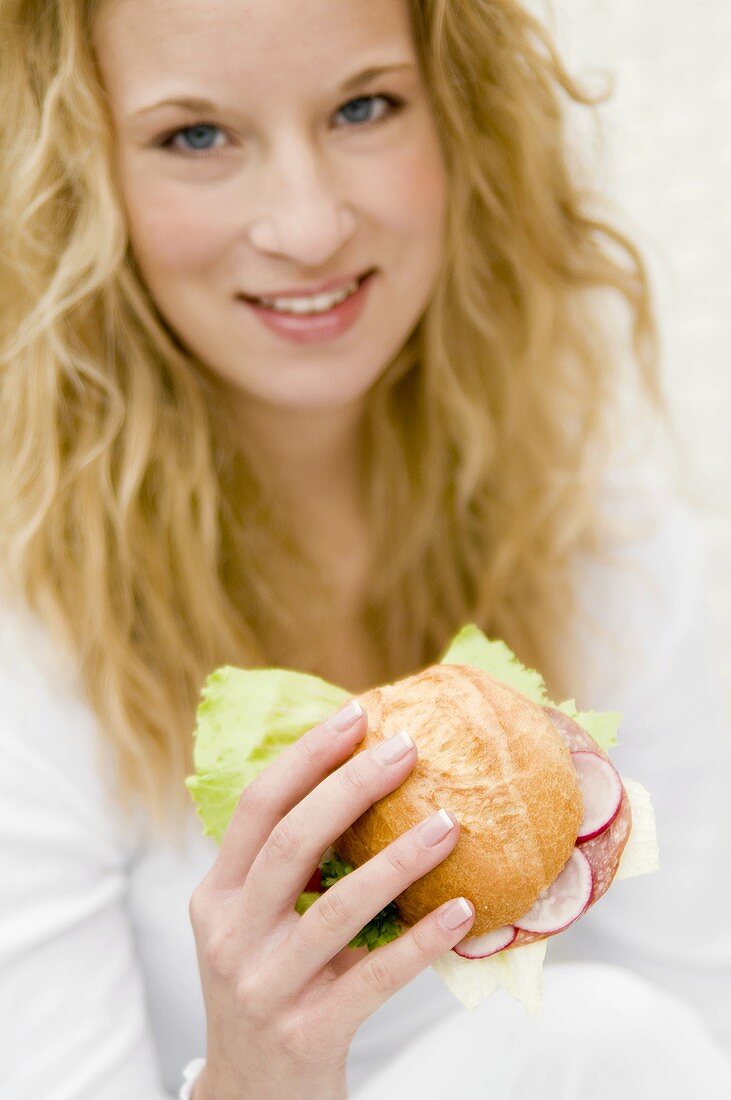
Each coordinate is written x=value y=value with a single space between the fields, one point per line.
x=346 y=717
x=395 y=748
x=456 y=913
x=435 y=828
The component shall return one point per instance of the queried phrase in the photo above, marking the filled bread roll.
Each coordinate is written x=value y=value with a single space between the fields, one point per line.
x=494 y=759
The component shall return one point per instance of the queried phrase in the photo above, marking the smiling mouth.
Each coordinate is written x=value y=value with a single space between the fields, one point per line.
x=315 y=325
x=308 y=301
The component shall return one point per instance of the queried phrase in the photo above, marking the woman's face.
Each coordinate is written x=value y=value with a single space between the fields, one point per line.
x=295 y=175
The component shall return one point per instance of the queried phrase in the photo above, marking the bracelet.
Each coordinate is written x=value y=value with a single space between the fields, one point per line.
x=191 y=1073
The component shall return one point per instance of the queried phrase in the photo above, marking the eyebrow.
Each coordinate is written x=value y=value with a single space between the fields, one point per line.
x=194 y=103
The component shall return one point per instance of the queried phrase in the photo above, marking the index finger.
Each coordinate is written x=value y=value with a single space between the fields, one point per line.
x=279 y=787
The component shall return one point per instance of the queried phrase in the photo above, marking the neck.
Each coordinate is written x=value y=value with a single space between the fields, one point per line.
x=313 y=461
x=306 y=453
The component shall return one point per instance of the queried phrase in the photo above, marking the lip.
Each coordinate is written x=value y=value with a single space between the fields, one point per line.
x=315 y=328
x=335 y=283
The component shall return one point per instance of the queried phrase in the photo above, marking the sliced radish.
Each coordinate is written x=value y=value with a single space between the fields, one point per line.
x=479 y=947
x=601 y=791
x=563 y=901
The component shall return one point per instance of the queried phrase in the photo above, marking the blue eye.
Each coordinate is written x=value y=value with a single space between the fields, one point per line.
x=193 y=134
x=366 y=101
x=359 y=117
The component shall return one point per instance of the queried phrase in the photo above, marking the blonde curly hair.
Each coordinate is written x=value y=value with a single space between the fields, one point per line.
x=131 y=522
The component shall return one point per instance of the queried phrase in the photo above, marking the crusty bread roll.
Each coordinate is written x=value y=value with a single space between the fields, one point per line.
x=494 y=758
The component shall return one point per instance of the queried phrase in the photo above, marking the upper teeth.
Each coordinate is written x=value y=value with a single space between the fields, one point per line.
x=317 y=303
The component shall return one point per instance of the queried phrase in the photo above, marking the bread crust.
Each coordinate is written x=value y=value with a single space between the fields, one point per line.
x=495 y=759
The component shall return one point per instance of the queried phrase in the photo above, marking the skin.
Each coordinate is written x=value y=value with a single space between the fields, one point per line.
x=300 y=191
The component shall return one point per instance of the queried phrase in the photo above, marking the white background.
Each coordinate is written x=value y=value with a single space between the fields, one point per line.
x=665 y=160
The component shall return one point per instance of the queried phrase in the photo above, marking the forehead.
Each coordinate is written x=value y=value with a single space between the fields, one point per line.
x=244 y=43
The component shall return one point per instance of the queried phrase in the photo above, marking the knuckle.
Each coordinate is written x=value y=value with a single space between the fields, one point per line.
x=331 y=908
x=251 y=800
x=423 y=936
x=250 y=997
x=400 y=859
x=376 y=972
x=312 y=1036
x=311 y=745
x=352 y=778
x=298 y=1037
x=218 y=952
x=197 y=907
x=283 y=843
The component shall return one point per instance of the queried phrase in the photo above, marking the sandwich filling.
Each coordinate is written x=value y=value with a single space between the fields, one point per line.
x=588 y=873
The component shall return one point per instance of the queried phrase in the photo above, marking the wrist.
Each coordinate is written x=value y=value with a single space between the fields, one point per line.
x=212 y=1086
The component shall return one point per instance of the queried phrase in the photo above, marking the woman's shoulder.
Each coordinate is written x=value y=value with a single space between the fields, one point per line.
x=40 y=685
x=645 y=587
x=29 y=656
x=50 y=744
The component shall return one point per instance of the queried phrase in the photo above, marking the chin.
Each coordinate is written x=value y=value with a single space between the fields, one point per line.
x=321 y=387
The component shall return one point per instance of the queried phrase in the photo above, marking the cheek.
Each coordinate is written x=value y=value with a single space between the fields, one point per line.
x=409 y=193
x=171 y=231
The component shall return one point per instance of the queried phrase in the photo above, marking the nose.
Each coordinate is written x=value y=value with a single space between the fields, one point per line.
x=305 y=217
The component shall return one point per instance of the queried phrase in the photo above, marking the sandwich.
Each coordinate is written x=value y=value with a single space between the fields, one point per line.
x=547 y=823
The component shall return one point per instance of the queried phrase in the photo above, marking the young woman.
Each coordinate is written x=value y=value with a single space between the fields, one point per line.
x=207 y=458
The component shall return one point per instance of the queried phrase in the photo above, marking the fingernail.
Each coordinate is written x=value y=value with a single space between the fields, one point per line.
x=346 y=717
x=396 y=747
x=435 y=828
x=456 y=913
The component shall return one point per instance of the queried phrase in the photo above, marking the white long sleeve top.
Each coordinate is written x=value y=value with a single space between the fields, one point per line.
x=100 y=994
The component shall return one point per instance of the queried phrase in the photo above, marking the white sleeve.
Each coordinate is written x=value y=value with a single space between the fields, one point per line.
x=650 y=652
x=73 y=1020
x=191 y=1073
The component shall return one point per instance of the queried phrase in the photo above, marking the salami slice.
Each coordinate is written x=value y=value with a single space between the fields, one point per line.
x=603 y=851
x=575 y=736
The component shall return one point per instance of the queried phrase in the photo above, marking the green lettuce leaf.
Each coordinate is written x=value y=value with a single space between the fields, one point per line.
x=471 y=647
x=601 y=725
x=246 y=717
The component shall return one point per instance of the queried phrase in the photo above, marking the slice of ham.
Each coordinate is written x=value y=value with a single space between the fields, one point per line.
x=605 y=850
x=575 y=736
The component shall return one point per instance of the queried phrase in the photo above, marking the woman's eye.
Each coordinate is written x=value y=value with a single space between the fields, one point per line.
x=361 y=105
x=358 y=112
x=194 y=133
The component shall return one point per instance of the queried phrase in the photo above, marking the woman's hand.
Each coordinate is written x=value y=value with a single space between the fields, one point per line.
x=282 y=1002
